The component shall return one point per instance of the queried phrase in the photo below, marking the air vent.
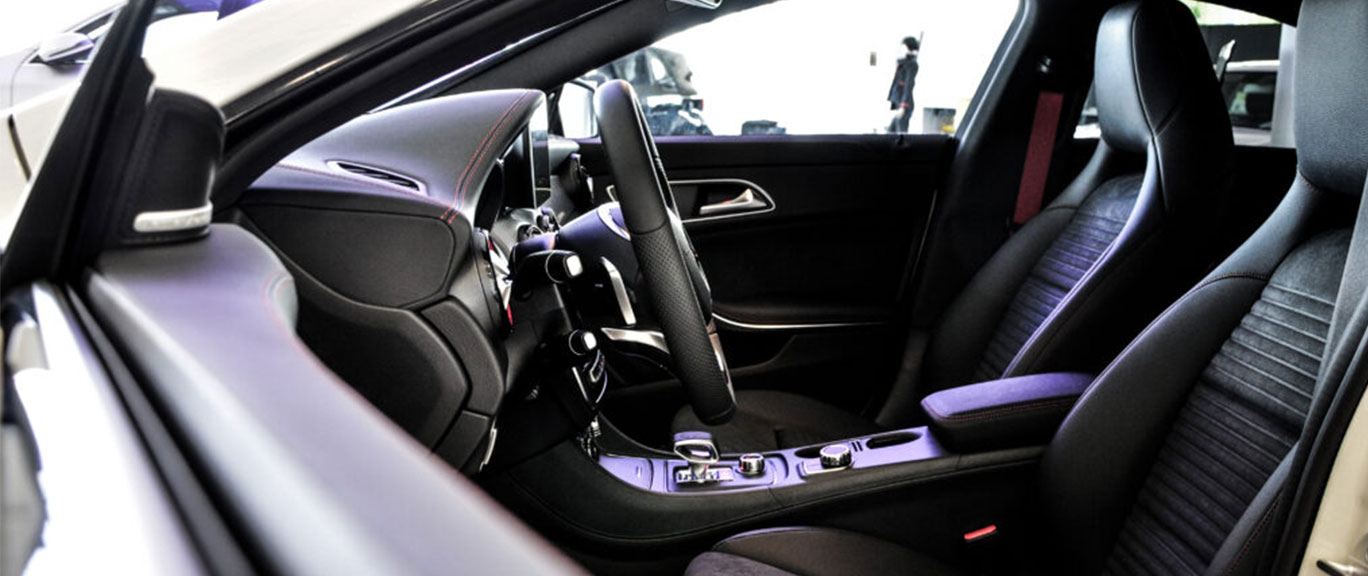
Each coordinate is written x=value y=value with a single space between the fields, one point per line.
x=381 y=175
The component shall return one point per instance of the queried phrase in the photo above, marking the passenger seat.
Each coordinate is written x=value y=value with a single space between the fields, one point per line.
x=1079 y=280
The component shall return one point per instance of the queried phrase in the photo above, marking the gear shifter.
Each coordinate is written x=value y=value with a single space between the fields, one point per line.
x=699 y=451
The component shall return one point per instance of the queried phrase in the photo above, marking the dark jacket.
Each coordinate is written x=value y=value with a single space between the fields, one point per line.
x=900 y=93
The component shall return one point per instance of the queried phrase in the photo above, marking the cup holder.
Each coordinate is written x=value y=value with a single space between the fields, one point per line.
x=894 y=439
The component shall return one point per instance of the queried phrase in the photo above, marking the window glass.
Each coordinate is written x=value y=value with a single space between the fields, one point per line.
x=1249 y=46
x=818 y=67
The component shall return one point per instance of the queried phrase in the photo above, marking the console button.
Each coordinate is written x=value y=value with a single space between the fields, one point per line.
x=836 y=456
x=752 y=465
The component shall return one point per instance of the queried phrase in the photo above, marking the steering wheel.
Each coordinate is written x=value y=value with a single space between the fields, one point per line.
x=675 y=282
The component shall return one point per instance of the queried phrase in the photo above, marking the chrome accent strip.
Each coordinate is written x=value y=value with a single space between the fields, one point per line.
x=489 y=450
x=174 y=220
x=620 y=292
x=737 y=324
x=649 y=338
x=747 y=183
x=612 y=194
x=337 y=165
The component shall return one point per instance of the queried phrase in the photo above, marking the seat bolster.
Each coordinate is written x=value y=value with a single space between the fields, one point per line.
x=1256 y=534
x=963 y=331
x=1106 y=307
x=812 y=552
x=965 y=328
x=1113 y=424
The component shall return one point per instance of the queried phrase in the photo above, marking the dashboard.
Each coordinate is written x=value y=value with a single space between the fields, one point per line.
x=401 y=228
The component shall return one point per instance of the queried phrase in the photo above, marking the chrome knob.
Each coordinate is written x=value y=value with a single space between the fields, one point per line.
x=835 y=456
x=752 y=465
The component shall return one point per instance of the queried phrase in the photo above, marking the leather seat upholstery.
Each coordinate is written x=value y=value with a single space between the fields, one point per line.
x=1181 y=457
x=1069 y=289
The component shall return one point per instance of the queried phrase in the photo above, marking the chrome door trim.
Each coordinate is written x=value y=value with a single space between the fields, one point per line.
x=753 y=327
x=611 y=190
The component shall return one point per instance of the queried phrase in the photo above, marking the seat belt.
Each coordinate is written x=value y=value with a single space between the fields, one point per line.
x=1039 y=152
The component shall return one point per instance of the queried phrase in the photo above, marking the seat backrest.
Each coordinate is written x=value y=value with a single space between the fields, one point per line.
x=1176 y=460
x=1070 y=288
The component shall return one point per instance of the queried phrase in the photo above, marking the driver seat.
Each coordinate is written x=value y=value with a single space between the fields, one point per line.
x=1078 y=281
x=1184 y=455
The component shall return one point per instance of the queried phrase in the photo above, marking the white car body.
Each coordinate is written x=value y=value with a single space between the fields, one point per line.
x=218 y=60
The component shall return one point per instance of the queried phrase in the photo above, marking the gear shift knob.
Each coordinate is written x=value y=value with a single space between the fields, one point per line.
x=698 y=449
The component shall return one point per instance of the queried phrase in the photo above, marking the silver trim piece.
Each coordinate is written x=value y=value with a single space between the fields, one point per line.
x=611 y=190
x=337 y=165
x=811 y=326
x=747 y=183
x=174 y=220
x=620 y=292
x=648 y=338
x=743 y=202
x=489 y=450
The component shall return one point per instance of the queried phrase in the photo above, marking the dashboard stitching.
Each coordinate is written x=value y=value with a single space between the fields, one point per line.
x=458 y=201
x=359 y=181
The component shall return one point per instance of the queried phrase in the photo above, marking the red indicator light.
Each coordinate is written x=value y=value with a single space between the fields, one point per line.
x=981 y=533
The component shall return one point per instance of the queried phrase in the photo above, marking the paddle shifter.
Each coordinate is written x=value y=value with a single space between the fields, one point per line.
x=699 y=451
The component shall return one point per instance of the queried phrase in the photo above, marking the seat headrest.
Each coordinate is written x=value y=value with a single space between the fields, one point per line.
x=1331 y=100
x=1150 y=63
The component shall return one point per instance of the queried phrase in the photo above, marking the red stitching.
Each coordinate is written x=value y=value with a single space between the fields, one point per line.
x=498 y=128
x=458 y=195
x=1254 y=535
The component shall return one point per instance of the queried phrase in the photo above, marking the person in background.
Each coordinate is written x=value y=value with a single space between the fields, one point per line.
x=900 y=93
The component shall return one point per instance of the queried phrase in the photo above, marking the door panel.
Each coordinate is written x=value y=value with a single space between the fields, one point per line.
x=807 y=291
x=848 y=214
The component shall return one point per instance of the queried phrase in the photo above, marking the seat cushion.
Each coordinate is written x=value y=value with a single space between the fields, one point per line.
x=811 y=552
x=770 y=420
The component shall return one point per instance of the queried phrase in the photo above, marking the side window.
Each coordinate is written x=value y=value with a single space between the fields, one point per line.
x=1246 y=49
x=817 y=67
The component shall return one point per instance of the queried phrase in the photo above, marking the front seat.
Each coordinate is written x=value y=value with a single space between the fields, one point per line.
x=1079 y=280
x=1180 y=457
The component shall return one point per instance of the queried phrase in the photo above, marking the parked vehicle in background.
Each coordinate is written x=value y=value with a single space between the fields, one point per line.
x=1249 y=89
x=663 y=81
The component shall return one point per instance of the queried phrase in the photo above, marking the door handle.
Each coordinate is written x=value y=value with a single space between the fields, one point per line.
x=746 y=201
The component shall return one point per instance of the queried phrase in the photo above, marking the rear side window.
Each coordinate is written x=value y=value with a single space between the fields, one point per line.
x=1248 y=48
x=814 y=67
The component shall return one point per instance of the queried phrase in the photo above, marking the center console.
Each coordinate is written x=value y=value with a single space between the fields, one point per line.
x=690 y=473
x=971 y=466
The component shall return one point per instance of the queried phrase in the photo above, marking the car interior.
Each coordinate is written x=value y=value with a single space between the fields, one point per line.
x=769 y=354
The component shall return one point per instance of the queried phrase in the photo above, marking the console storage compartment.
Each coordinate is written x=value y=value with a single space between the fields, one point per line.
x=1006 y=413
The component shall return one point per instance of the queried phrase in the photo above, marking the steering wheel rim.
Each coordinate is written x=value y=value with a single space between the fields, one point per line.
x=675 y=283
